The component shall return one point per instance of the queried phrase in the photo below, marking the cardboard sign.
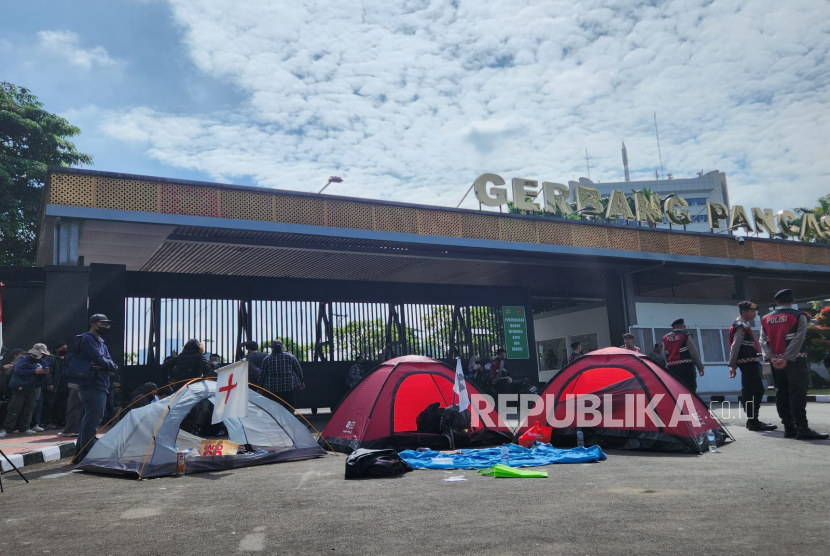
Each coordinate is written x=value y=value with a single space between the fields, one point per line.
x=218 y=448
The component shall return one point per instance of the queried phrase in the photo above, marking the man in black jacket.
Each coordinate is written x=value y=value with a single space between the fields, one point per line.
x=190 y=363
x=93 y=394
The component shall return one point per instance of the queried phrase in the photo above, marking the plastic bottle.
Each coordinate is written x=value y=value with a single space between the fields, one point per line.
x=179 y=461
x=505 y=454
x=713 y=444
x=580 y=438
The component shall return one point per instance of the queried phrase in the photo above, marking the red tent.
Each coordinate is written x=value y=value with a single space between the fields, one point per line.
x=618 y=378
x=380 y=411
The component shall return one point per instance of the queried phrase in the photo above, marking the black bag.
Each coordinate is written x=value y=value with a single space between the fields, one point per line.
x=454 y=420
x=429 y=420
x=79 y=370
x=363 y=463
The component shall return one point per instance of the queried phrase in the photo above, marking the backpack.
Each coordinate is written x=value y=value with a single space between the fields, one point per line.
x=364 y=463
x=78 y=370
x=452 y=419
x=429 y=420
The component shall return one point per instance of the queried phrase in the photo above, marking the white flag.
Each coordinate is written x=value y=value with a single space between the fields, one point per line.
x=460 y=388
x=231 y=398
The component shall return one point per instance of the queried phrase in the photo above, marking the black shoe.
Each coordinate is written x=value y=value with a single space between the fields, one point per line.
x=758 y=426
x=790 y=433
x=810 y=434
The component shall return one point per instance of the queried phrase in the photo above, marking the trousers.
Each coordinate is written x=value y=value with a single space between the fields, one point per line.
x=752 y=388
x=791 y=385
x=687 y=374
x=20 y=409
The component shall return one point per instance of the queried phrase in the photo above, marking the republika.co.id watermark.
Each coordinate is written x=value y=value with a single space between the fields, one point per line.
x=586 y=410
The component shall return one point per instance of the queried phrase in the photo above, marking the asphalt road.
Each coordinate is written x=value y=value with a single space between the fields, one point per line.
x=760 y=495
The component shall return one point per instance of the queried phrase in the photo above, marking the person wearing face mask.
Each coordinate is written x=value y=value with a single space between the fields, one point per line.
x=215 y=362
x=25 y=385
x=93 y=394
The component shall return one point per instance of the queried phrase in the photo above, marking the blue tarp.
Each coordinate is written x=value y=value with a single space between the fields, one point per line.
x=484 y=458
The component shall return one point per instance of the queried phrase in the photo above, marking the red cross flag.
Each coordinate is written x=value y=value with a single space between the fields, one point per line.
x=231 y=398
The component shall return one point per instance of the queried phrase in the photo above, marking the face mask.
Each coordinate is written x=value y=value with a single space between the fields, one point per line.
x=214 y=363
x=63 y=352
x=102 y=331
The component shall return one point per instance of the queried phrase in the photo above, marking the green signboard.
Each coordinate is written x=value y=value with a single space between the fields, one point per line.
x=515 y=332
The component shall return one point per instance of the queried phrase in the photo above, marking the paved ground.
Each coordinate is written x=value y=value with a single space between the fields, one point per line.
x=761 y=495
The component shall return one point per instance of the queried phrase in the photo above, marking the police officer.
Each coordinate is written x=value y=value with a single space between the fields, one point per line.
x=681 y=354
x=744 y=354
x=782 y=343
x=628 y=342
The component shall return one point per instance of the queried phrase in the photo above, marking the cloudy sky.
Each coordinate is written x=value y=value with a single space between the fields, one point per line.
x=410 y=100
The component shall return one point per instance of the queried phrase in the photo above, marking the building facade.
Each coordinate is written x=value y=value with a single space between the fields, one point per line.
x=168 y=259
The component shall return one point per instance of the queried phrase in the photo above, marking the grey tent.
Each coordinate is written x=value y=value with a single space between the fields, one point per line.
x=274 y=433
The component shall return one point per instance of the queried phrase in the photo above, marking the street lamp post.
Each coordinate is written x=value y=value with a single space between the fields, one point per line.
x=332 y=179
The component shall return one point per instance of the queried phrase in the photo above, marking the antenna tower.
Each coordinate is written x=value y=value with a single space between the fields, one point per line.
x=625 y=162
x=587 y=162
x=660 y=154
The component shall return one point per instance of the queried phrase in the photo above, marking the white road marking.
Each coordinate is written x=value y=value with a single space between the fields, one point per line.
x=253 y=542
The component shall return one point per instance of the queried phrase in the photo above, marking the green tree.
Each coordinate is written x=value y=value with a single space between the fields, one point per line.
x=301 y=352
x=31 y=139
x=368 y=337
x=485 y=326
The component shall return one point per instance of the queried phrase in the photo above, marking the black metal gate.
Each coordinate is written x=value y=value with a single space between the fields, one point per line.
x=312 y=330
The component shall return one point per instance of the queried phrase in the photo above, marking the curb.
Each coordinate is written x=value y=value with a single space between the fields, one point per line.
x=766 y=399
x=49 y=453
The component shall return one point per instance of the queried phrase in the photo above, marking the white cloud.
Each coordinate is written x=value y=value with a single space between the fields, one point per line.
x=411 y=100
x=66 y=44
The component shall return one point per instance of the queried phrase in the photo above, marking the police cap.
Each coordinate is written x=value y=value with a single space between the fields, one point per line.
x=785 y=296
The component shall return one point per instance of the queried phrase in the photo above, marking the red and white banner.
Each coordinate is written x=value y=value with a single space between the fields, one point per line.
x=231 y=398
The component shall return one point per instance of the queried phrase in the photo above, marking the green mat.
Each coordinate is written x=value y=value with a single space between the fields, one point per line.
x=505 y=471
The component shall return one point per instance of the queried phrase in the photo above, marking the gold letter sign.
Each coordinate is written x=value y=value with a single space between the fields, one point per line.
x=499 y=193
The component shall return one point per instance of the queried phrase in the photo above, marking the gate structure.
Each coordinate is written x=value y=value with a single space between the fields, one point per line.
x=324 y=323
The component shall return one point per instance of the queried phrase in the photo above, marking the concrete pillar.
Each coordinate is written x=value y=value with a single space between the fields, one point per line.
x=615 y=303
x=107 y=295
x=65 y=310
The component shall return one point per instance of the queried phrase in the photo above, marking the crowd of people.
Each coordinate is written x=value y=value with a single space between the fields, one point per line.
x=39 y=393
x=35 y=395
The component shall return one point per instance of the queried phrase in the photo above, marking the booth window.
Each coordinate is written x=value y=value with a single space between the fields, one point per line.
x=588 y=341
x=553 y=354
x=712 y=343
